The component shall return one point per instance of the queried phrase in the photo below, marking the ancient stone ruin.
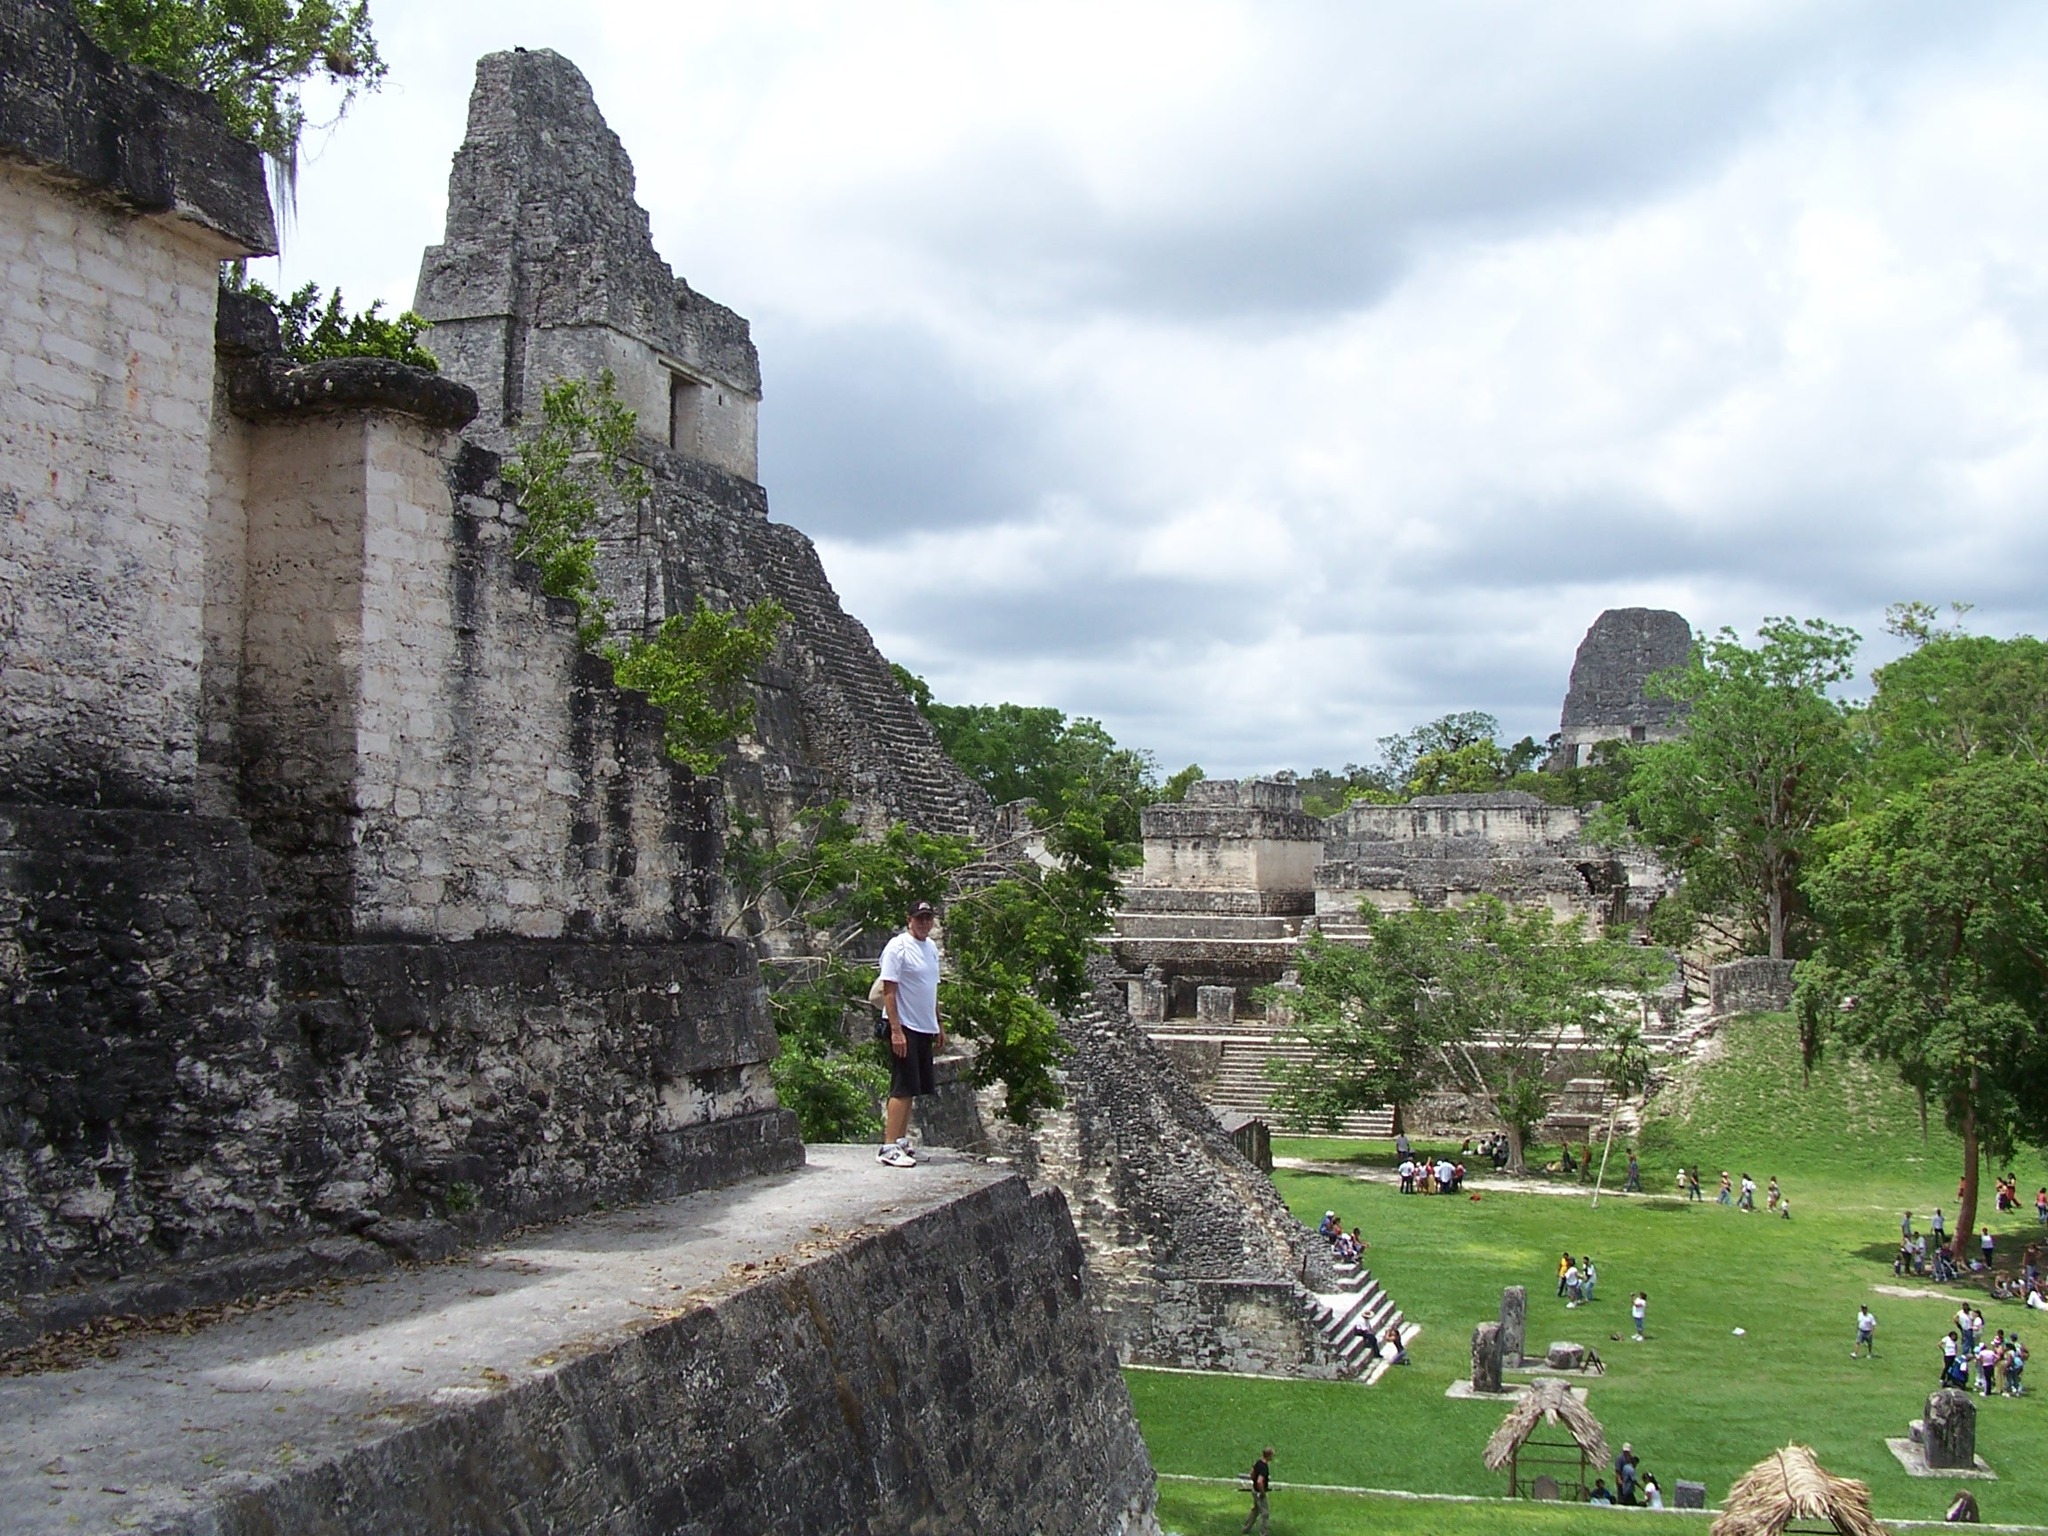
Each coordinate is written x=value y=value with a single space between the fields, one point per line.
x=351 y=918
x=1236 y=876
x=1607 y=700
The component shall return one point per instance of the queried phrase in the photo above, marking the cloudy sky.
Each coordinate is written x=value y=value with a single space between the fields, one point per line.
x=1265 y=377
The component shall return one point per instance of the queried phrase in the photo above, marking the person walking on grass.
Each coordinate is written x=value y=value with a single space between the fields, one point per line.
x=1639 y=1310
x=1722 y=1198
x=1748 y=1200
x=1262 y=1481
x=1588 y=1277
x=910 y=998
x=1989 y=1246
x=1634 y=1183
x=1564 y=1267
x=1692 y=1184
x=1936 y=1226
x=1866 y=1334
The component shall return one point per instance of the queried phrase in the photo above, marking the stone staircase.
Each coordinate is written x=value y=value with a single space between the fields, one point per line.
x=1340 y=1317
x=1241 y=1084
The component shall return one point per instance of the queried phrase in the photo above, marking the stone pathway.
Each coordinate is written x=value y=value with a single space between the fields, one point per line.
x=178 y=1422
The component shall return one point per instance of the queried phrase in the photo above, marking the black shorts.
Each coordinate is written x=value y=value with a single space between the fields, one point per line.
x=910 y=1075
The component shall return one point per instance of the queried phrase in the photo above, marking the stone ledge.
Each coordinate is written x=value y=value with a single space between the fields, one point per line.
x=749 y=1360
x=267 y=387
x=69 y=108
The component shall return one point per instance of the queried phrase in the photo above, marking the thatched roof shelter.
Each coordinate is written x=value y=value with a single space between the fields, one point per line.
x=1548 y=1401
x=1520 y=1443
x=1790 y=1491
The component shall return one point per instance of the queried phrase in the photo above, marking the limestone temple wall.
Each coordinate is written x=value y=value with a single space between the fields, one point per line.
x=106 y=343
x=339 y=889
x=1444 y=849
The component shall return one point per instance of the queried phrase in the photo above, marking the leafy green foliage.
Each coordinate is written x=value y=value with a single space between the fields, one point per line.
x=1477 y=998
x=1177 y=785
x=251 y=56
x=695 y=671
x=832 y=1090
x=1019 y=752
x=1768 y=760
x=1016 y=949
x=1455 y=754
x=313 y=332
x=1953 y=700
x=561 y=470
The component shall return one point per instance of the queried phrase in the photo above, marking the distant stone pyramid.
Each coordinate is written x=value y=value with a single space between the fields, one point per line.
x=1607 y=700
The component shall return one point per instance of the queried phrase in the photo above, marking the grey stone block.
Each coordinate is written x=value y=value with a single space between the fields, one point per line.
x=1686 y=1495
x=1565 y=1357
x=1486 y=1358
x=1950 y=1429
x=1514 y=1321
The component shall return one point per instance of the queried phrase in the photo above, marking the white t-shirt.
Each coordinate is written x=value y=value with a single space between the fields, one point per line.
x=913 y=964
x=1865 y=1323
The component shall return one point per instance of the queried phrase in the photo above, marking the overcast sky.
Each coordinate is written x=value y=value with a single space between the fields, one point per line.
x=1262 y=378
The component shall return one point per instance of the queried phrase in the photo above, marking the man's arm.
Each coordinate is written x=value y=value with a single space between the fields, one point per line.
x=897 y=1044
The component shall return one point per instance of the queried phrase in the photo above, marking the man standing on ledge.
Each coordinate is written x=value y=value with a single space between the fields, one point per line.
x=910 y=997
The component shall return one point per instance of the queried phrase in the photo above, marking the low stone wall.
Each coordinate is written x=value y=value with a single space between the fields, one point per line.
x=1754 y=985
x=847 y=1349
x=1260 y=1327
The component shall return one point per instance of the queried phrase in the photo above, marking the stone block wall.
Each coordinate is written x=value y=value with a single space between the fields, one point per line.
x=1753 y=985
x=1232 y=835
x=119 y=195
x=174 y=1085
x=106 y=341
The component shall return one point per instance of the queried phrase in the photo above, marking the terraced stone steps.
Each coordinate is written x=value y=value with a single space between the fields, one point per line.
x=1341 y=1316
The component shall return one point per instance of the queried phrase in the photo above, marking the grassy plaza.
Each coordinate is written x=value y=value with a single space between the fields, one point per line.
x=1697 y=1399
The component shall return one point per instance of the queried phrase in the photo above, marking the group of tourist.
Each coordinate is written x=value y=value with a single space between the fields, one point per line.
x=1576 y=1278
x=1347 y=1247
x=1996 y=1358
x=2008 y=1190
x=1940 y=1259
x=1632 y=1485
x=1431 y=1176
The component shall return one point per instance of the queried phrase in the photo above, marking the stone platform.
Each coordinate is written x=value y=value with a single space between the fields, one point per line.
x=844 y=1348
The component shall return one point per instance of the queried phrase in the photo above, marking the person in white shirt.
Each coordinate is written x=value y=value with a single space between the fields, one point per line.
x=1866 y=1333
x=910 y=997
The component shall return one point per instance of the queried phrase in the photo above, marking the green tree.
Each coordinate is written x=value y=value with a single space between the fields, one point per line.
x=1024 y=752
x=1935 y=951
x=1953 y=699
x=1486 y=999
x=1016 y=948
x=1768 y=759
x=313 y=332
x=250 y=56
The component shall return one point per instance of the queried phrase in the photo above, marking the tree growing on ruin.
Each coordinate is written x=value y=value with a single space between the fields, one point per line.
x=1768 y=761
x=1486 y=1000
x=694 y=667
x=253 y=57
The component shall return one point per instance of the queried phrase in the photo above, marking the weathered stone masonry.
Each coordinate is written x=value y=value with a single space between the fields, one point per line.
x=308 y=788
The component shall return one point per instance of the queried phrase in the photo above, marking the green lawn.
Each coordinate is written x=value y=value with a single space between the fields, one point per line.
x=1195 y=1507
x=1697 y=1400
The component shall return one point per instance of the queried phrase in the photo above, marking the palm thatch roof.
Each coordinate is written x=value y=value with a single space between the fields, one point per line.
x=1547 y=1401
x=1790 y=1485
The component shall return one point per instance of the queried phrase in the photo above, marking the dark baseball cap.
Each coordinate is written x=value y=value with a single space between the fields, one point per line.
x=923 y=909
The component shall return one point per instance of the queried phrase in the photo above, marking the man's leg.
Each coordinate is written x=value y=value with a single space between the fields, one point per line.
x=897 y=1119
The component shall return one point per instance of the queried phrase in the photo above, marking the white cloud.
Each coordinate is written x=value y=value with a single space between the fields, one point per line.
x=1264 y=378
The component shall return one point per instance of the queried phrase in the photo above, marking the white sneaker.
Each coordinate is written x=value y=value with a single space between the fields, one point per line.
x=903 y=1145
x=895 y=1157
